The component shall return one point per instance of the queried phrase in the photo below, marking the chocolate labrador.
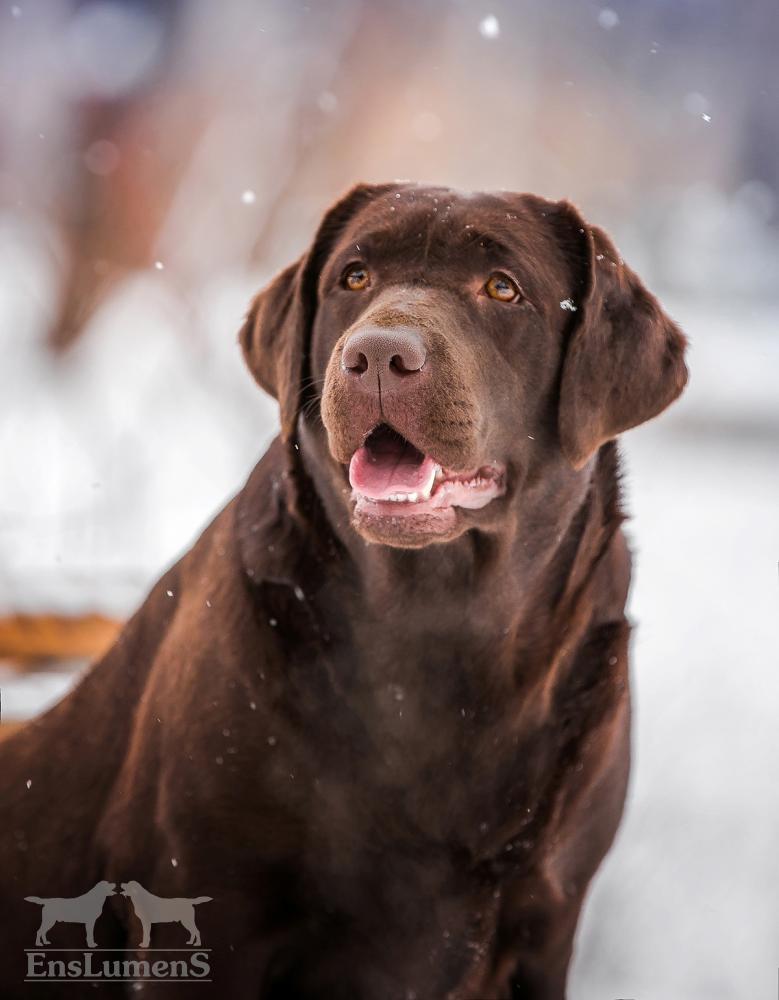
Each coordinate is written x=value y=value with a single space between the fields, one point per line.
x=380 y=711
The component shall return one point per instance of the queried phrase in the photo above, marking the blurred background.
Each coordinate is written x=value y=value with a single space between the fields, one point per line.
x=160 y=161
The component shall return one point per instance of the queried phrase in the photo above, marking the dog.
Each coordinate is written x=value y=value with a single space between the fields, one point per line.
x=82 y=910
x=151 y=909
x=381 y=708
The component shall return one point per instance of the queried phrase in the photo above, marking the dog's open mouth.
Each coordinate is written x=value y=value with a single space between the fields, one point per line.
x=388 y=474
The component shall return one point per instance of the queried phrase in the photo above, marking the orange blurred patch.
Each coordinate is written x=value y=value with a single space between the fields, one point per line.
x=27 y=639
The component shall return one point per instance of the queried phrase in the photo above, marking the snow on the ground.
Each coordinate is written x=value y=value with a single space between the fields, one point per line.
x=116 y=456
x=25 y=694
x=686 y=907
x=733 y=360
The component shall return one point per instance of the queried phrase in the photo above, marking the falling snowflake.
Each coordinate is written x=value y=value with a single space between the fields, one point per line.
x=248 y=197
x=608 y=18
x=568 y=304
x=489 y=26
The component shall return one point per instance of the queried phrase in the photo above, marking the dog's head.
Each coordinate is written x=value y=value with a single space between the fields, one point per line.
x=129 y=888
x=107 y=888
x=450 y=348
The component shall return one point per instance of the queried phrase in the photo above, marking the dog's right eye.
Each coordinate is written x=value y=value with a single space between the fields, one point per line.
x=502 y=288
x=355 y=278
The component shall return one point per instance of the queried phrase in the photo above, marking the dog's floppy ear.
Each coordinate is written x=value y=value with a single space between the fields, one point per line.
x=272 y=339
x=625 y=358
x=276 y=332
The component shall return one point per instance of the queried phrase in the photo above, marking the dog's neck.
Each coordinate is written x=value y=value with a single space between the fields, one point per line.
x=505 y=582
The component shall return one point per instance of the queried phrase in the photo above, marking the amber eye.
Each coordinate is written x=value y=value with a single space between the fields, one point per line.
x=502 y=288
x=356 y=278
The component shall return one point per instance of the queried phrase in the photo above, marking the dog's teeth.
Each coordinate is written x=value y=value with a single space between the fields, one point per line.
x=406 y=497
x=427 y=488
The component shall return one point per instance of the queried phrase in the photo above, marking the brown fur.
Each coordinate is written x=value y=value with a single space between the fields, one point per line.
x=395 y=767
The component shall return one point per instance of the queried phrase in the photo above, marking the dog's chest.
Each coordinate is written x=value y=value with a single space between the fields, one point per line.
x=412 y=735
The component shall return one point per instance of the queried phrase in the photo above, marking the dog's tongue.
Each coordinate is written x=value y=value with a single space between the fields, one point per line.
x=387 y=464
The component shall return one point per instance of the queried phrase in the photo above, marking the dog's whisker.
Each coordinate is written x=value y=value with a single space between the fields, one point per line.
x=310 y=407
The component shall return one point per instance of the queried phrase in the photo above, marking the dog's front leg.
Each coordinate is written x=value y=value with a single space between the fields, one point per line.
x=541 y=910
x=90 y=929
x=542 y=970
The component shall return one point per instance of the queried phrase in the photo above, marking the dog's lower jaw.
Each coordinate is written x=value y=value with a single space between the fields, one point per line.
x=406 y=531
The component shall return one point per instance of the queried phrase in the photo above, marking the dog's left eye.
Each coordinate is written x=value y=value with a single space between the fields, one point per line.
x=355 y=278
x=503 y=288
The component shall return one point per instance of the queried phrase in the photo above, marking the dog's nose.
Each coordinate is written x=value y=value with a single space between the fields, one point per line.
x=380 y=356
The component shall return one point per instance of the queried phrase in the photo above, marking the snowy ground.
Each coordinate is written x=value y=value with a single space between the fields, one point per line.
x=26 y=694
x=686 y=907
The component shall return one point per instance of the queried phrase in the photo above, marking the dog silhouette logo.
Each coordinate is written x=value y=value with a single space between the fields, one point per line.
x=82 y=910
x=151 y=909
